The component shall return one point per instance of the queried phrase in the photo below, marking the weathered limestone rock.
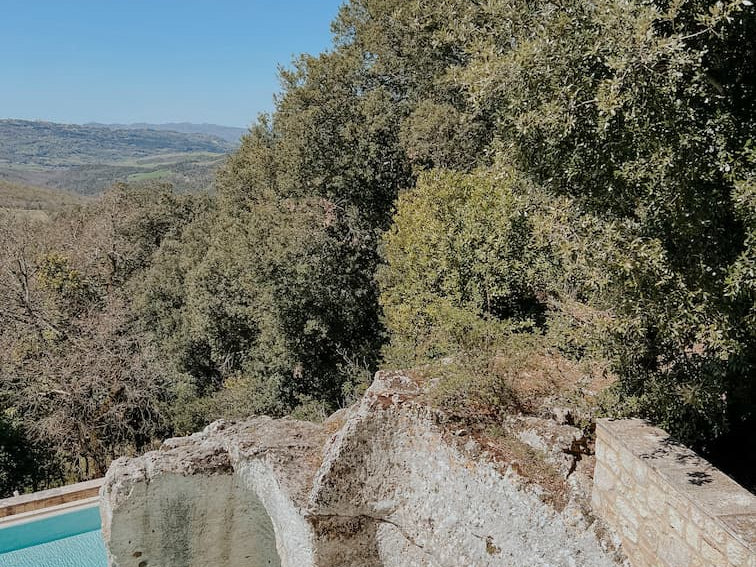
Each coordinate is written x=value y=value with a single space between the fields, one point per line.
x=230 y=495
x=427 y=503
x=390 y=487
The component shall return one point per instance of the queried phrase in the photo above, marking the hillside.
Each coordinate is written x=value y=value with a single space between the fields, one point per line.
x=27 y=197
x=35 y=202
x=229 y=133
x=88 y=159
x=47 y=143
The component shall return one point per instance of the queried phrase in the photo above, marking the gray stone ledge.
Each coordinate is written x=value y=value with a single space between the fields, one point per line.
x=714 y=494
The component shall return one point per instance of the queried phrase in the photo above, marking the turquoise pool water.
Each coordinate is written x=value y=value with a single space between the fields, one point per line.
x=71 y=539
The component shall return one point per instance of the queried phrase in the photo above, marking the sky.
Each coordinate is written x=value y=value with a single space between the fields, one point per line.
x=215 y=61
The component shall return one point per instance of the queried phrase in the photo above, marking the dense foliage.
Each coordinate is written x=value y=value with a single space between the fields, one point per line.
x=632 y=123
x=479 y=190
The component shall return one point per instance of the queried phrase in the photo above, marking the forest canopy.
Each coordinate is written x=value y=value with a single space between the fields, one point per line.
x=457 y=186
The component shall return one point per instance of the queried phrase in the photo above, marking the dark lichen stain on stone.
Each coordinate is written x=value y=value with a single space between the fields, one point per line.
x=491 y=548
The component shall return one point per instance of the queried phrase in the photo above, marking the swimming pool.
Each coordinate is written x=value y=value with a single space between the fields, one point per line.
x=65 y=539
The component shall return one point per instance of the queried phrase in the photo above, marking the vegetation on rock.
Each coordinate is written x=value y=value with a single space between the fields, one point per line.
x=480 y=190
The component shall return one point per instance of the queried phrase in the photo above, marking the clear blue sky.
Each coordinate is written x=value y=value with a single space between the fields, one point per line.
x=152 y=60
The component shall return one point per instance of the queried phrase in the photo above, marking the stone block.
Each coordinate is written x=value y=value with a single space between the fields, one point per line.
x=737 y=554
x=612 y=461
x=640 y=471
x=626 y=479
x=603 y=479
x=628 y=531
x=650 y=535
x=696 y=517
x=600 y=449
x=626 y=511
x=627 y=459
x=711 y=555
x=693 y=535
x=657 y=497
x=680 y=504
x=714 y=531
x=674 y=553
x=597 y=502
x=676 y=520
x=641 y=506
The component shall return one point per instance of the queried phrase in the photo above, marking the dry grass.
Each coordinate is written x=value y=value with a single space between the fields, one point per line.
x=528 y=381
x=478 y=395
x=507 y=451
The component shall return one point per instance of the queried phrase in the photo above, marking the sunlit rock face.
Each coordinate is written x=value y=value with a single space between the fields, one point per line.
x=378 y=485
x=232 y=495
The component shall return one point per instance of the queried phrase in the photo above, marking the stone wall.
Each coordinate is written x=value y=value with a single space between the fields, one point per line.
x=670 y=507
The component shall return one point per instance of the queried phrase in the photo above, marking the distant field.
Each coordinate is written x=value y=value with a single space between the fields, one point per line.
x=50 y=144
x=187 y=172
x=150 y=175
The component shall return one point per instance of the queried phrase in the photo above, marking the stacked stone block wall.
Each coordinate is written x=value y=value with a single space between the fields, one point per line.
x=669 y=507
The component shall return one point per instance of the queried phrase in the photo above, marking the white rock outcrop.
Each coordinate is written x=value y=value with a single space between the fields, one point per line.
x=382 y=484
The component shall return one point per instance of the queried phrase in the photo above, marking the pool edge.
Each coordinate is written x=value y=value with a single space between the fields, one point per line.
x=48 y=512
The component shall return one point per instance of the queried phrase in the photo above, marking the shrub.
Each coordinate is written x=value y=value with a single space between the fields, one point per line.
x=461 y=265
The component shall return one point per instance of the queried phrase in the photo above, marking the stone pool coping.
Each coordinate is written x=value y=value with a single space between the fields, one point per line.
x=48 y=502
x=43 y=513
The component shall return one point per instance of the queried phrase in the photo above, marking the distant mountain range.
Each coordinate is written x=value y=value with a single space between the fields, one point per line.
x=88 y=158
x=228 y=133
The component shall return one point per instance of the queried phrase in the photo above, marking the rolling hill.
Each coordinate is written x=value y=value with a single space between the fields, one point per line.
x=229 y=133
x=87 y=159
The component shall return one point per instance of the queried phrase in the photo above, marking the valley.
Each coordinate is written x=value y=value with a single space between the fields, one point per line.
x=88 y=159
